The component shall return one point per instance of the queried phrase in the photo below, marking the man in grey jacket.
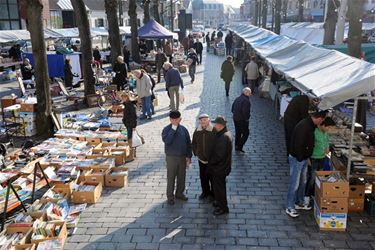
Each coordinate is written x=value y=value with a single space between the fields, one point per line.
x=203 y=142
x=178 y=152
x=144 y=92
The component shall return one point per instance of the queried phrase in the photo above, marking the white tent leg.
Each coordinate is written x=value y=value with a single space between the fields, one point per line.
x=355 y=107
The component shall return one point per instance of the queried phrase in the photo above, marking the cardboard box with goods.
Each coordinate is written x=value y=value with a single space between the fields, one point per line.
x=16 y=235
x=370 y=204
x=64 y=189
x=96 y=176
x=50 y=230
x=28 y=107
x=330 y=221
x=86 y=193
x=331 y=204
x=26 y=219
x=331 y=184
x=93 y=141
x=117 y=177
x=26 y=247
x=356 y=205
x=7 y=101
x=357 y=188
x=119 y=157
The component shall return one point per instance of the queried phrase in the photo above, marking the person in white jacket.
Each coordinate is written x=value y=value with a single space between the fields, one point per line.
x=144 y=92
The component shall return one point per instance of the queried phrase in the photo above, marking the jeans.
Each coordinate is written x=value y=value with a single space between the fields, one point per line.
x=297 y=182
x=146 y=106
x=316 y=165
x=192 y=72
x=242 y=133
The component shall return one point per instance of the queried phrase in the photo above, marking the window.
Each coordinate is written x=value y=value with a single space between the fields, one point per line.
x=99 y=22
x=9 y=15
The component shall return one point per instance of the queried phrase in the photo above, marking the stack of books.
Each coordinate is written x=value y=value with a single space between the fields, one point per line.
x=7 y=241
x=45 y=229
x=51 y=244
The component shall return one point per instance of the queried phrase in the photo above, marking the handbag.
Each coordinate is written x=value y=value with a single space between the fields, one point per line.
x=182 y=97
x=137 y=140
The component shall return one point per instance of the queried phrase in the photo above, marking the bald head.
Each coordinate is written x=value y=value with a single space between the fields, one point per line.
x=246 y=91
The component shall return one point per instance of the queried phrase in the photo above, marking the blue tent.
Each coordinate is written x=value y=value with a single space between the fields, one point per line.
x=153 y=30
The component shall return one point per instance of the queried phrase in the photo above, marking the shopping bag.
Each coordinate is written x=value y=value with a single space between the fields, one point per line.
x=137 y=139
x=182 y=97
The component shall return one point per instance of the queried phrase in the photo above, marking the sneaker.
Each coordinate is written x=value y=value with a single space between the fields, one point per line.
x=303 y=207
x=292 y=212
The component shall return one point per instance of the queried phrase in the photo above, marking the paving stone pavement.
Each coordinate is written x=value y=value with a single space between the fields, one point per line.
x=137 y=217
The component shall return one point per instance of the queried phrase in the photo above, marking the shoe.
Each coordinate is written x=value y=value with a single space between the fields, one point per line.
x=220 y=211
x=210 y=198
x=303 y=207
x=142 y=118
x=171 y=202
x=292 y=212
x=240 y=150
x=182 y=197
x=214 y=204
x=149 y=118
x=203 y=196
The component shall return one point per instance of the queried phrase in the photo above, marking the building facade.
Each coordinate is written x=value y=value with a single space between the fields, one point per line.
x=208 y=12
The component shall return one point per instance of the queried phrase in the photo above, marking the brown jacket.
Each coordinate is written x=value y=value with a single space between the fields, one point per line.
x=203 y=142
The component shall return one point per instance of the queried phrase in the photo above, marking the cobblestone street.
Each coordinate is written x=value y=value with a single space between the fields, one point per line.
x=137 y=217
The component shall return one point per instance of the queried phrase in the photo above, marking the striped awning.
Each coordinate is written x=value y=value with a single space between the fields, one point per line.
x=67 y=5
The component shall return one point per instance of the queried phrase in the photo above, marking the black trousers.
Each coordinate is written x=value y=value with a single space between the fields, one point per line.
x=242 y=133
x=289 y=125
x=220 y=191
x=206 y=179
x=200 y=58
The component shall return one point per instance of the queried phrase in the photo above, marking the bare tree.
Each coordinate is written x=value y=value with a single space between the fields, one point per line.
x=134 y=30
x=82 y=21
x=285 y=10
x=330 y=22
x=260 y=5
x=146 y=11
x=300 y=10
x=111 y=7
x=155 y=10
x=33 y=10
x=355 y=14
x=264 y=13
x=278 y=17
x=256 y=12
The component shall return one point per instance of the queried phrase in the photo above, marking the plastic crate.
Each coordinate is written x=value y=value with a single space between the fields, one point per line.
x=370 y=204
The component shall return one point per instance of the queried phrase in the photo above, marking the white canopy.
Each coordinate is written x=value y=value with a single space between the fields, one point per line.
x=330 y=75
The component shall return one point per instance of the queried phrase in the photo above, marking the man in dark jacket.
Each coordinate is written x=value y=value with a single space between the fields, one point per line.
x=178 y=152
x=192 y=59
x=297 y=110
x=208 y=41
x=129 y=118
x=219 y=165
x=126 y=54
x=203 y=142
x=241 y=116
x=227 y=73
x=173 y=82
x=198 y=46
x=160 y=59
x=229 y=43
x=301 y=149
x=97 y=57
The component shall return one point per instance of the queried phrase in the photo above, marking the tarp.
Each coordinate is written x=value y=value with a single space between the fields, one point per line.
x=328 y=74
x=314 y=32
x=154 y=30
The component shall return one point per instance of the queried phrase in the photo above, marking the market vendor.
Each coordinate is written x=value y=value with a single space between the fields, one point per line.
x=297 y=110
x=121 y=71
x=27 y=70
x=168 y=50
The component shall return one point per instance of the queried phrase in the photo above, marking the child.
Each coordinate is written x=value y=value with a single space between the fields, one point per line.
x=321 y=149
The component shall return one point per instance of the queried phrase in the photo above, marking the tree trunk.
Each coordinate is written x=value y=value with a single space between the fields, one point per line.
x=113 y=29
x=161 y=15
x=86 y=45
x=260 y=5
x=330 y=22
x=355 y=15
x=34 y=9
x=155 y=10
x=285 y=10
x=256 y=13
x=278 y=17
x=272 y=15
x=146 y=11
x=300 y=10
x=264 y=13
x=134 y=30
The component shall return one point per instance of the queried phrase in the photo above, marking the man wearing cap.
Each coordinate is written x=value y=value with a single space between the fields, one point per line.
x=203 y=142
x=178 y=152
x=219 y=164
x=241 y=116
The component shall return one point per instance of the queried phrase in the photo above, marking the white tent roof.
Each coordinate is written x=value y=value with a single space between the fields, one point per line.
x=330 y=75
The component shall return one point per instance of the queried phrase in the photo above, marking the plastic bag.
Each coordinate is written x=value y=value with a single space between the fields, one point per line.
x=182 y=97
x=137 y=140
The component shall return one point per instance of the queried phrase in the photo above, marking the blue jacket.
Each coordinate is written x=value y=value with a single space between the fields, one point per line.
x=241 y=108
x=177 y=142
x=173 y=78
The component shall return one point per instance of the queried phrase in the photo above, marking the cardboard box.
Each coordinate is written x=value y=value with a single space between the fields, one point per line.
x=36 y=215
x=96 y=176
x=356 y=205
x=25 y=246
x=330 y=221
x=62 y=235
x=64 y=188
x=93 y=141
x=119 y=157
x=116 y=180
x=90 y=197
x=331 y=204
x=357 y=188
x=7 y=101
x=325 y=189
x=26 y=230
x=28 y=107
